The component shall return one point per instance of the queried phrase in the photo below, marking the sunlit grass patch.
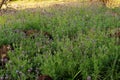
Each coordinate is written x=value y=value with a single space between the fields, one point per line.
x=113 y=3
x=2 y=20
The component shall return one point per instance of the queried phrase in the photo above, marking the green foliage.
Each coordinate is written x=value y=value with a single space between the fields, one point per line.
x=81 y=45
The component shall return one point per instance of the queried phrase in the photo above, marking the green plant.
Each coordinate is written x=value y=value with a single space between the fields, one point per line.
x=81 y=46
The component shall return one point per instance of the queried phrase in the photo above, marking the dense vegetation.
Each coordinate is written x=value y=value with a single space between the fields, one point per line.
x=81 y=44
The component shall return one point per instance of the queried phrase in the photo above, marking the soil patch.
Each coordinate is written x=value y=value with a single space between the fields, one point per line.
x=44 y=77
x=115 y=33
x=4 y=54
x=33 y=33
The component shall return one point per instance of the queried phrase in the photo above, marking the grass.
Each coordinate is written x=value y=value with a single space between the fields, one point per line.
x=81 y=45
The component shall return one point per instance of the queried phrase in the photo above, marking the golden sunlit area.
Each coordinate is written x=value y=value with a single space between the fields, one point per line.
x=59 y=39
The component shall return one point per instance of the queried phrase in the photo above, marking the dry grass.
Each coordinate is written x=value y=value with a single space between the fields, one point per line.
x=32 y=4
x=113 y=3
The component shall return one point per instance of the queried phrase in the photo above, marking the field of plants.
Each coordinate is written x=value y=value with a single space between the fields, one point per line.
x=62 y=41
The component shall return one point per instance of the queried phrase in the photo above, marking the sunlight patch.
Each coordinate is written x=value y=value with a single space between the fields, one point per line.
x=113 y=3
